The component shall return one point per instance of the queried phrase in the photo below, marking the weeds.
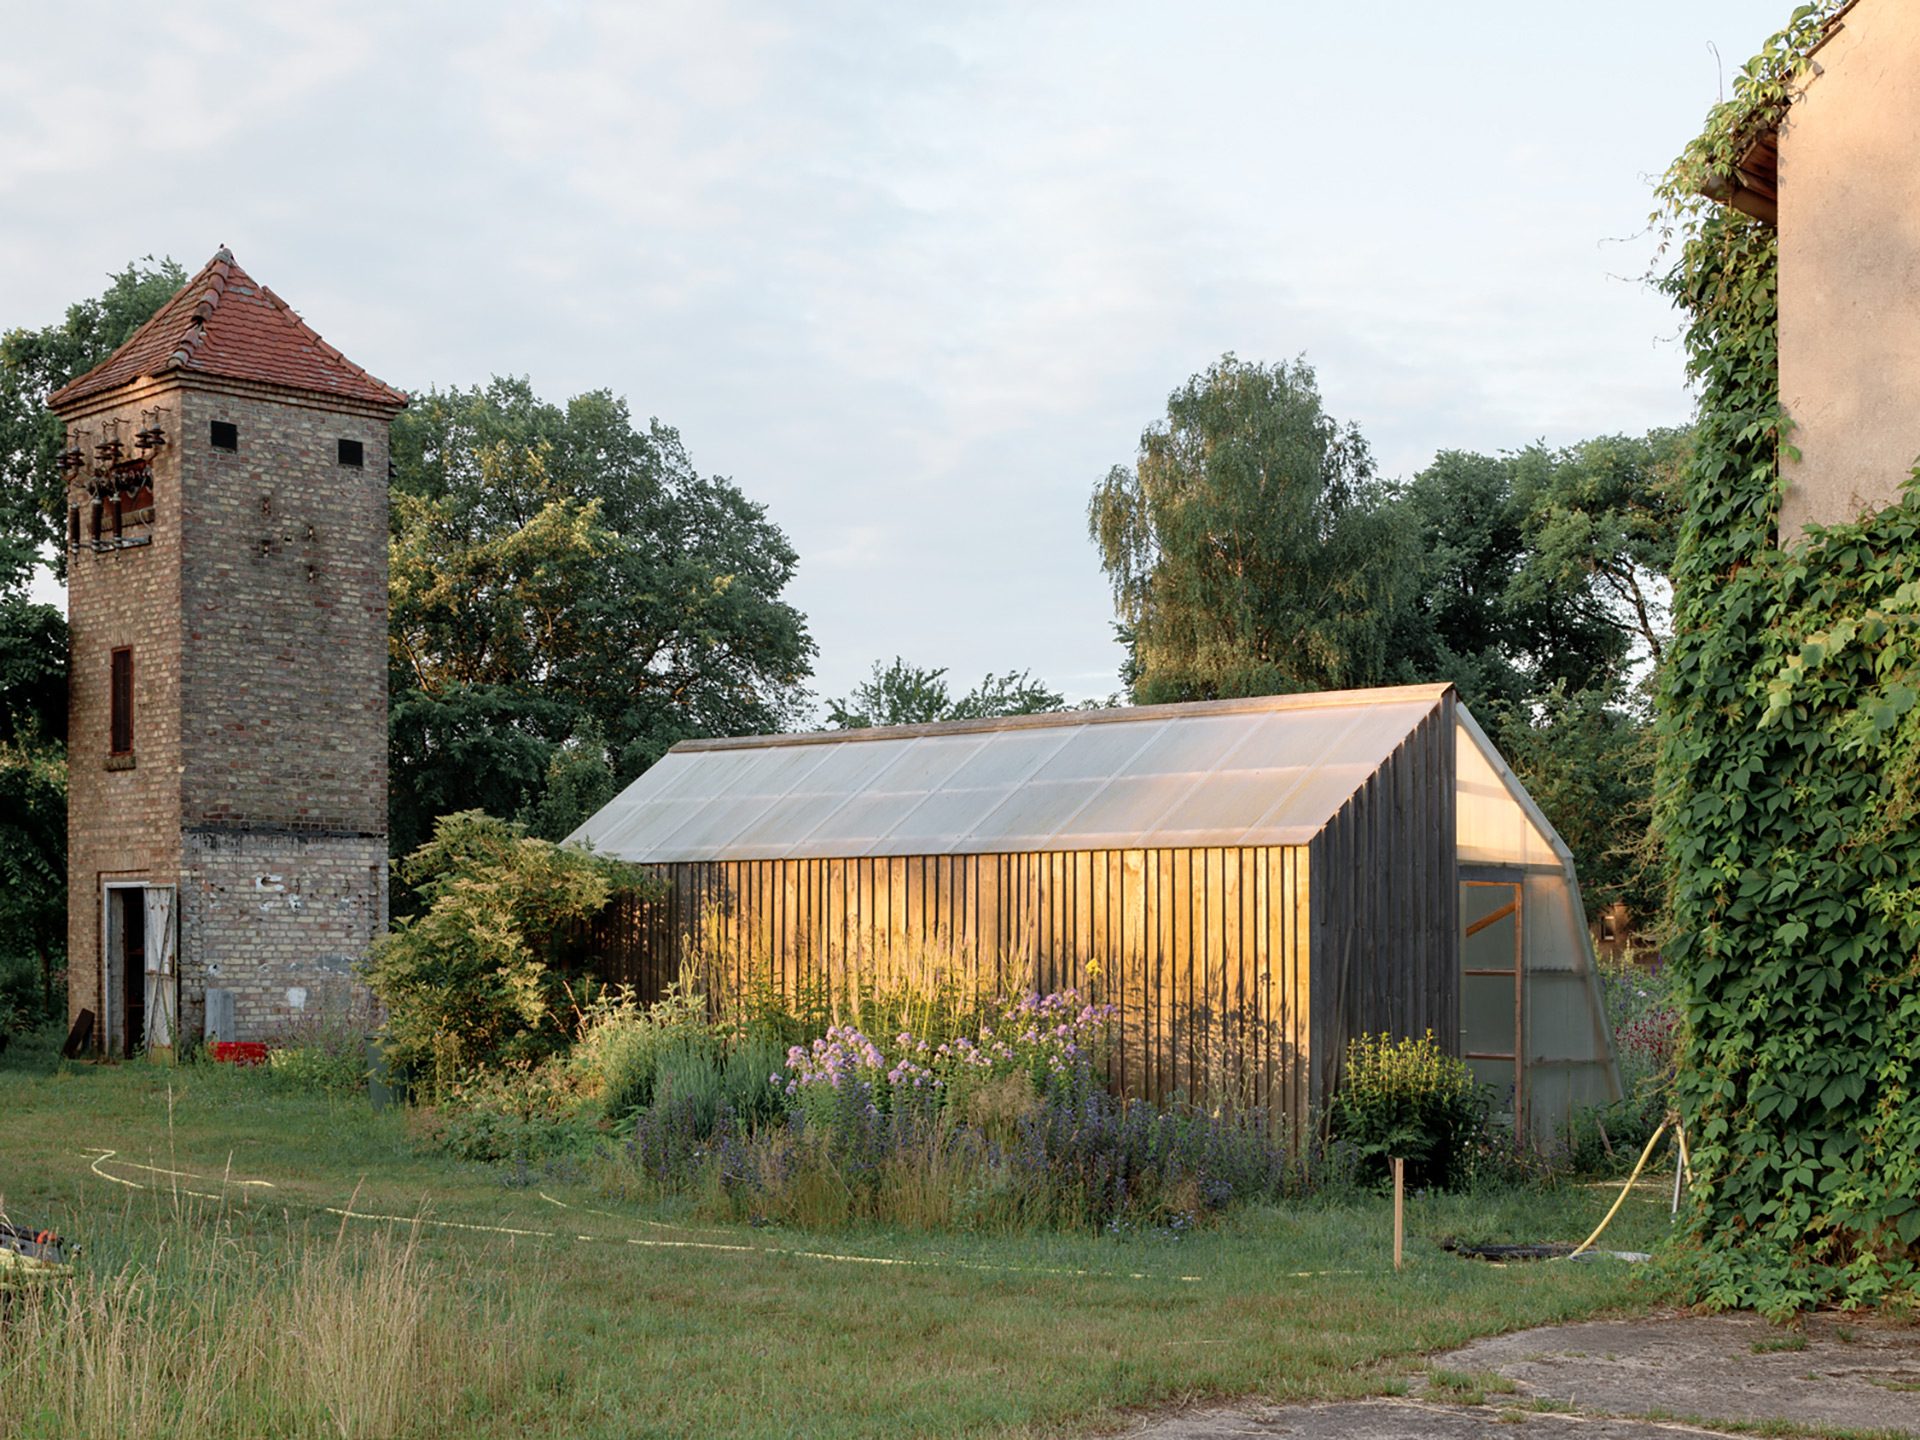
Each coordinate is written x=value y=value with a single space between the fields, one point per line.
x=1409 y=1098
x=1460 y=1388
x=326 y=1049
x=212 y=1338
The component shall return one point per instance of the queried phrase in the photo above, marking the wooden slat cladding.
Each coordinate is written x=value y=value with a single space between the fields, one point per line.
x=1385 y=905
x=1204 y=952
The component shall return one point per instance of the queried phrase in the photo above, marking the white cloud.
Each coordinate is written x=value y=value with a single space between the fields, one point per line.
x=913 y=277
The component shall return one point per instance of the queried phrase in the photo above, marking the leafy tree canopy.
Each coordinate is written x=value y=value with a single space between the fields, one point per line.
x=1472 y=616
x=1541 y=576
x=569 y=598
x=1602 y=517
x=33 y=880
x=1248 y=549
x=1252 y=550
x=33 y=801
x=903 y=694
x=33 y=666
x=33 y=795
x=34 y=363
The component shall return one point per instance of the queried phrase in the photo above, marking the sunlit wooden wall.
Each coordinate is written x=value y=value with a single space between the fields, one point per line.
x=1203 y=952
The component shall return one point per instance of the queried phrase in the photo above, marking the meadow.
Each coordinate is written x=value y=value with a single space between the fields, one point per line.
x=234 y=1281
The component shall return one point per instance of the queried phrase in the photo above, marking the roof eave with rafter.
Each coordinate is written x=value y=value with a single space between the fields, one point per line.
x=1754 y=186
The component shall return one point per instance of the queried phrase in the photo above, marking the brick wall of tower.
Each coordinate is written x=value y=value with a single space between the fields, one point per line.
x=123 y=816
x=281 y=920
x=284 y=594
x=284 y=688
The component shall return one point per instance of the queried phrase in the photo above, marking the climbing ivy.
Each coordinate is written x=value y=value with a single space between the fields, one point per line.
x=1789 y=796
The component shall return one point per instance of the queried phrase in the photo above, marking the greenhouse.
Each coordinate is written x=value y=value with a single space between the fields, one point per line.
x=1251 y=883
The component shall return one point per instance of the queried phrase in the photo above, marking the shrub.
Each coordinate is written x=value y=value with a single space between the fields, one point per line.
x=1045 y=1038
x=1003 y=1128
x=1073 y=1157
x=474 y=980
x=927 y=992
x=520 y=1114
x=620 y=1045
x=324 y=1072
x=325 y=1049
x=1409 y=1099
x=1091 y=1159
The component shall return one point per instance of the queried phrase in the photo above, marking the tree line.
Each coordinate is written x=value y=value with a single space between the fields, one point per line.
x=1253 y=549
x=570 y=596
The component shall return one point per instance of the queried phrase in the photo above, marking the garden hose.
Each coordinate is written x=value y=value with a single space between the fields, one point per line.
x=1625 y=1190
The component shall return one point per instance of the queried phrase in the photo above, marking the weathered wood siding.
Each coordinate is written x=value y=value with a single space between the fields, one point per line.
x=1386 y=905
x=1203 y=951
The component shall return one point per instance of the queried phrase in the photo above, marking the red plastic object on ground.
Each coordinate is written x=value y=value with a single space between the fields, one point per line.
x=240 y=1052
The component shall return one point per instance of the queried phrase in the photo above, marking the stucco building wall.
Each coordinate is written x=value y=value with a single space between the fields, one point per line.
x=1850 y=269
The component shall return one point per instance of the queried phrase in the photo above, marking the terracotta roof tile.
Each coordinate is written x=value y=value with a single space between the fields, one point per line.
x=224 y=323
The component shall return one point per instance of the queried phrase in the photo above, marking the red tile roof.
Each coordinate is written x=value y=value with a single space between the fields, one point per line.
x=223 y=323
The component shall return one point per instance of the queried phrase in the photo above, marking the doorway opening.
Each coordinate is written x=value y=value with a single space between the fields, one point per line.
x=126 y=970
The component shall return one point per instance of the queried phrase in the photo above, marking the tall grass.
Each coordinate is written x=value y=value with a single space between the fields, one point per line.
x=934 y=984
x=350 y=1335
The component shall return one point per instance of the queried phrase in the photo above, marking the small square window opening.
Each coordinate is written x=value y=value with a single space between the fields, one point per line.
x=225 y=435
x=353 y=453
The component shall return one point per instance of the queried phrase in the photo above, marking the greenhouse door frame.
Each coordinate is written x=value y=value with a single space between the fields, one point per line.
x=1487 y=877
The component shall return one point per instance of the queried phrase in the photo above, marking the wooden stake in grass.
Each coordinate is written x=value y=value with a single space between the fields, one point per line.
x=1399 y=1211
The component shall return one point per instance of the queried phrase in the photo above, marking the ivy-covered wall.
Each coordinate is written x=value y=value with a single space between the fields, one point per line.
x=1789 y=799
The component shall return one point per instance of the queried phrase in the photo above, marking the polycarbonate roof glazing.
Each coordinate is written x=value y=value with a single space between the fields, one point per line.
x=1265 y=772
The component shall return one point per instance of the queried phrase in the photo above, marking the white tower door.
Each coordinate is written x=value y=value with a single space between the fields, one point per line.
x=163 y=988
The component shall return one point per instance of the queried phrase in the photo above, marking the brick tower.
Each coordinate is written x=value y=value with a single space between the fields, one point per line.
x=227 y=739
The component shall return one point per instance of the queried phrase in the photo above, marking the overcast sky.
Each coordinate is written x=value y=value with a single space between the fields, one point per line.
x=914 y=275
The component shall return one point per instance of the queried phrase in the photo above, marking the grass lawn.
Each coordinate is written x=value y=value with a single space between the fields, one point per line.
x=611 y=1319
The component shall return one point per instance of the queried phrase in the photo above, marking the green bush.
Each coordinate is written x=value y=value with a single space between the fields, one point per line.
x=1410 y=1099
x=620 y=1045
x=325 y=1049
x=629 y=1056
x=476 y=979
x=519 y=1113
x=323 y=1071
x=712 y=1085
x=33 y=881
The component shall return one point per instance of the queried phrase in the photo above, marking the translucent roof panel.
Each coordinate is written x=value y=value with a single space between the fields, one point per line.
x=1270 y=771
